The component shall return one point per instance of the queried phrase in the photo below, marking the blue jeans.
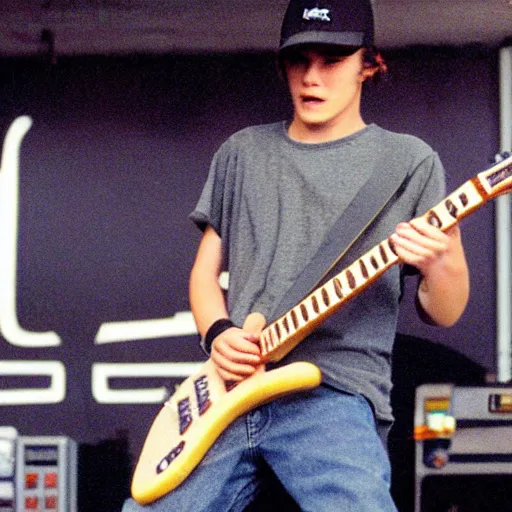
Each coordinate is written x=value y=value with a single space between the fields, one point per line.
x=323 y=446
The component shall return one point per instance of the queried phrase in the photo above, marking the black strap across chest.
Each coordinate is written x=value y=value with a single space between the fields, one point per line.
x=371 y=199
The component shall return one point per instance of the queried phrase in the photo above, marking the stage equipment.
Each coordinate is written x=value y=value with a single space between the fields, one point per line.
x=46 y=474
x=463 y=448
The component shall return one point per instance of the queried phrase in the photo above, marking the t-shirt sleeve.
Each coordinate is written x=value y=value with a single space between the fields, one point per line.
x=211 y=203
x=434 y=189
x=433 y=192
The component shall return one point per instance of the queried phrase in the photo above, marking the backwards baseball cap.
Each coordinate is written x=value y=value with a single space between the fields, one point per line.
x=334 y=22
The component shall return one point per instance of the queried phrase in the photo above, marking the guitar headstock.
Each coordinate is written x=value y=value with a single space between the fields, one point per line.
x=498 y=179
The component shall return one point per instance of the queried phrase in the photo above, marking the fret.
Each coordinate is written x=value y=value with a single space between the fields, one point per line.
x=452 y=209
x=325 y=297
x=295 y=319
x=286 y=325
x=383 y=253
x=304 y=312
x=338 y=288
x=364 y=270
x=264 y=342
x=334 y=287
x=316 y=306
x=463 y=199
x=351 y=280
x=277 y=329
x=272 y=340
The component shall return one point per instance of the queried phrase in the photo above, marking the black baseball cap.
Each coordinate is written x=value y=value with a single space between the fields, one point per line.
x=347 y=23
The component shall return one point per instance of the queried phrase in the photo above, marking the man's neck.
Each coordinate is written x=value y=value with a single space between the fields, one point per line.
x=317 y=134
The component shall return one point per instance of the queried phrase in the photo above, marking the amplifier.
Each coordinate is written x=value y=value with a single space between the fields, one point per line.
x=46 y=474
x=463 y=448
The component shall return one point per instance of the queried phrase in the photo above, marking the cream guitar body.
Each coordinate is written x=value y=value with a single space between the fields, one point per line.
x=200 y=410
x=203 y=406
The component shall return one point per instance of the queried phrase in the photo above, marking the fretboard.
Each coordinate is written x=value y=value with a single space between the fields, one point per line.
x=282 y=335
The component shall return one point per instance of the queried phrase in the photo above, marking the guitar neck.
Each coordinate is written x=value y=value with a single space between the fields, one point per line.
x=282 y=335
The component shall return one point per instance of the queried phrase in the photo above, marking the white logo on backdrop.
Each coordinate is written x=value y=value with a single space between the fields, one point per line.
x=182 y=324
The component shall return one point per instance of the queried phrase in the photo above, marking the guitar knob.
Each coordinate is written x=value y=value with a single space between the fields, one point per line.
x=435 y=454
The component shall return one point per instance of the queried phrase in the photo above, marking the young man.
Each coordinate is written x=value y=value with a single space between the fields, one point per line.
x=272 y=195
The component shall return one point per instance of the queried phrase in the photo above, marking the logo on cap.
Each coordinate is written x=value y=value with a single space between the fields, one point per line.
x=316 y=14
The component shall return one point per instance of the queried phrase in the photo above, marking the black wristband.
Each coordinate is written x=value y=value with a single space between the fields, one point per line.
x=218 y=327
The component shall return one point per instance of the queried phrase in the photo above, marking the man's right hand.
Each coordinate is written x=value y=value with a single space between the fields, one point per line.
x=236 y=354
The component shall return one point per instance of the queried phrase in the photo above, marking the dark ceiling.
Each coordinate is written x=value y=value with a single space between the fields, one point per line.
x=159 y=26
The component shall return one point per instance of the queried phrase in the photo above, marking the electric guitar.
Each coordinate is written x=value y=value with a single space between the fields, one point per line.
x=204 y=405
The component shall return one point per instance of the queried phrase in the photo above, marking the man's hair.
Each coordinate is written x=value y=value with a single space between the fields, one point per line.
x=372 y=59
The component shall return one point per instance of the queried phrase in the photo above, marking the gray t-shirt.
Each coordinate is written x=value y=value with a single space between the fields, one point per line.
x=272 y=200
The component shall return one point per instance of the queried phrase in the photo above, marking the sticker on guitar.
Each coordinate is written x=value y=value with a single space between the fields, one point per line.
x=203 y=406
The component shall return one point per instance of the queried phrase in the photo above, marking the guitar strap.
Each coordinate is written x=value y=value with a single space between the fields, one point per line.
x=371 y=199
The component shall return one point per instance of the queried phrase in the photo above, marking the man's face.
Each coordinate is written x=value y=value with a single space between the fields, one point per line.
x=325 y=86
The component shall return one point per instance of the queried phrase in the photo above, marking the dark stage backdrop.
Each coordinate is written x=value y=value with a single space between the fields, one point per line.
x=115 y=160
